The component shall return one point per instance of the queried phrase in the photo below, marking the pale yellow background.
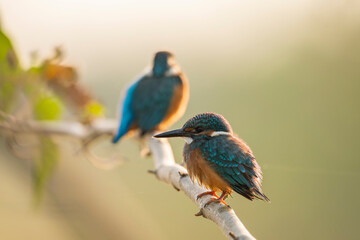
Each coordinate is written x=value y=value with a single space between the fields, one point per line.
x=284 y=73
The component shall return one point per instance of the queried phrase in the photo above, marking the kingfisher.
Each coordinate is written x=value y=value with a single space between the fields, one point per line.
x=218 y=159
x=154 y=101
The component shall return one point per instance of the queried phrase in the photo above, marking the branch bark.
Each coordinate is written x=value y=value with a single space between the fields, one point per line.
x=166 y=170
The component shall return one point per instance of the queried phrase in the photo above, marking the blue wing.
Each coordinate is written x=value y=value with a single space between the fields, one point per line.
x=127 y=115
x=233 y=160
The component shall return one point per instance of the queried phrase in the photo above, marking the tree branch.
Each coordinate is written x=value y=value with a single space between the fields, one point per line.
x=67 y=128
x=166 y=169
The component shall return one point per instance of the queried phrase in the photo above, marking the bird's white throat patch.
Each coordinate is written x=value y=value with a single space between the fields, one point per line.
x=188 y=140
x=218 y=133
x=173 y=70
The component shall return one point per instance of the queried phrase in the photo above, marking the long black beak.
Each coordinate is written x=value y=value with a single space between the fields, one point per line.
x=173 y=133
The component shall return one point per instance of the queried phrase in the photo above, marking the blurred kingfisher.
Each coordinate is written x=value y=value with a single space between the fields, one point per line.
x=218 y=159
x=156 y=100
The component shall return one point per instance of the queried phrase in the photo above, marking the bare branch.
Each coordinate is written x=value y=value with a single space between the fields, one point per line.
x=166 y=169
x=67 y=128
x=87 y=133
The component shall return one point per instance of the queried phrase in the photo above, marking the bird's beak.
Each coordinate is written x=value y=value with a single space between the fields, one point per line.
x=173 y=133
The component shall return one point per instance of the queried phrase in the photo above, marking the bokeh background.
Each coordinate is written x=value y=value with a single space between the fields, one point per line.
x=286 y=74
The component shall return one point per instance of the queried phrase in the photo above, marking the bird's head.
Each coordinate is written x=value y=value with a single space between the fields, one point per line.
x=209 y=124
x=163 y=61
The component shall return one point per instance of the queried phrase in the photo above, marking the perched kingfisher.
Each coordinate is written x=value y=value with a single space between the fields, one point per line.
x=218 y=159
x=156 y=100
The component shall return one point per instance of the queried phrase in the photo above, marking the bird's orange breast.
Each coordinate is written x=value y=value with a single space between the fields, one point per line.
x=177 y=105
x=200 y=170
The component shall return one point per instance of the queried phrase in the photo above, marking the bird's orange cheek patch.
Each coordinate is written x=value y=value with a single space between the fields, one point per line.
x=189 y=130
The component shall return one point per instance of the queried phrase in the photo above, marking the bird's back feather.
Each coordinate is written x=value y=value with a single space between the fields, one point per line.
x=152 y=99
x=234 y=162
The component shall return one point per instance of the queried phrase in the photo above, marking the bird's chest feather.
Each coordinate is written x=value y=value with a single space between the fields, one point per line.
x=199 y=169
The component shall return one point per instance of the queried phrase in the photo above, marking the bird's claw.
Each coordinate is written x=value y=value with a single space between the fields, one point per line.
x=212 y=200
x=206 y=193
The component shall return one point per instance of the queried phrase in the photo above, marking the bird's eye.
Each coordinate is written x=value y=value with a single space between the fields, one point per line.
x=199 y=129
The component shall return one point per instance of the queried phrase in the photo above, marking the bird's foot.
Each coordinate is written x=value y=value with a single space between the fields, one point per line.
x=218 y=200
x=212 y=193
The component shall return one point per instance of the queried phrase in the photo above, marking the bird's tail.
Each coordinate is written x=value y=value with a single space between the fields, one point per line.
x=125 y=112
x=261 y=196
x=124 y=127
x=116 y=137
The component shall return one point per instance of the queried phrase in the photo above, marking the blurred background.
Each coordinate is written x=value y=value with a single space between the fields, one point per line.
x=286 y=74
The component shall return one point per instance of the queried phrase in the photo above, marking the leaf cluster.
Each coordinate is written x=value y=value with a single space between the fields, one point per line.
x=47 y=91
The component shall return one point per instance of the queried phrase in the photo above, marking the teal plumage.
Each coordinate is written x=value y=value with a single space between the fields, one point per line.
x=154 y=101
x=152 y=98
x=233 y=161
x=217 y=158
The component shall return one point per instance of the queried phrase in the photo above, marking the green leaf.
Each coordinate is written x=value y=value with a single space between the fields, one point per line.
x=94 y=109
x=48 y=108
x=8 y=57
x=49 y=157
